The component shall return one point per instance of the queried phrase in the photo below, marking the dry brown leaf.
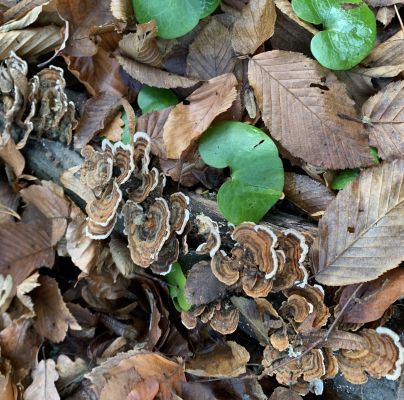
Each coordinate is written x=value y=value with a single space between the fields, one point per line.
x=98 y=112
x=336 y=339
x=385 y=15
x=12 y=156
x=43 y=386
x=309 y=195
x=210 y=54
x=188 y=121
x=99 y=73
x=301 y=104
x=122 y=9
x=20 y=344
x=382 y=3
x=25 y=247
x=30 y=42
x=134 y=364
x=153 y=123
x=83 y=16
x=8 y=390
x=283 y=393
x=6 y=287
x=53 y=206
x=69 y=370
x=9 y=202
x=21 y=8
x=387 y=59
x=373 y=298
x=291 y=33
x=71 y=181
x=255 y=26
x=142 y=45
x=146 y=390
x=53 y=318
x=225 y=361
x=114 y=130
x=361 y=233
x=153 y=76
x=385 y=114
x=22 y=294
x=84 y=252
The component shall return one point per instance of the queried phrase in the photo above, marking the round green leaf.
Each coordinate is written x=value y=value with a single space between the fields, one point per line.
x=208 y=6
x=154 y=99
x=177 y=281
x=174 y=18
x=344 y=177
x=349 y=30
x=256 y=169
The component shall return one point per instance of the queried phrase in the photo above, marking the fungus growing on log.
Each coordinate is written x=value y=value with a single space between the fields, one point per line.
x=288 y=369
x=383 y=357
x=210 y=230
x=253 y=260
x=222 y=316
x=147 y=230
x=315 y=298
x=292 y=271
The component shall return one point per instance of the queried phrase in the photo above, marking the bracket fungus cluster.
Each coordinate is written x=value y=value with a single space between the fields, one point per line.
x=268 y=266
x=124 y=184
x=39 y=104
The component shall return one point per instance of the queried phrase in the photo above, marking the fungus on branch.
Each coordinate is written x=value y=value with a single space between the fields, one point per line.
x=147 y=230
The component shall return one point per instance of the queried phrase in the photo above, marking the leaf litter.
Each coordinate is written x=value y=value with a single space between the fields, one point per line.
x=121 y=275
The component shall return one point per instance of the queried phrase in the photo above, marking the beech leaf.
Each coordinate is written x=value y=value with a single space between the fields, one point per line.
x=256 y=170
x=255 y=26
x=301 y=104
x=43 y=384
x=189 y=119
x=211 y=54
x=360 y=235
x=349 y=30
x=384 y=113
x=309 y=195
x=373 y=298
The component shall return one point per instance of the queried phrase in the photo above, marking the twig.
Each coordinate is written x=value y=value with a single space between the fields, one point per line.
x=399 y=17
x=321 y=340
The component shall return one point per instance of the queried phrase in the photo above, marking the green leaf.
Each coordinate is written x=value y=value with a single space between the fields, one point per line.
x=349 y=30
x=177 y=281
x=344 y=177
x=375 y=155
x=208 y=6
x=174 y=18
x=126 y=134
x=154 y=99
x=256 y=169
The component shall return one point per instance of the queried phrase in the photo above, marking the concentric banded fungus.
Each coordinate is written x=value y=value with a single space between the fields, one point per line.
x=315 y=297
x=210 y=230
x=293 y=271
x=148 y=183
x=258 y=243
x=179 y=214
x=226 y=269
x=222 y=316
x=97 y=168
x=253 y=260
x=141 y=153
x=382 y=358
x=147 y=231
x=310 y=367
x=296 y=308
x=123 y=160
x=55 y=114
x=98 y=232
x=14 y=89
x=331 y=364
x=166 y=257
x=102 y=210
